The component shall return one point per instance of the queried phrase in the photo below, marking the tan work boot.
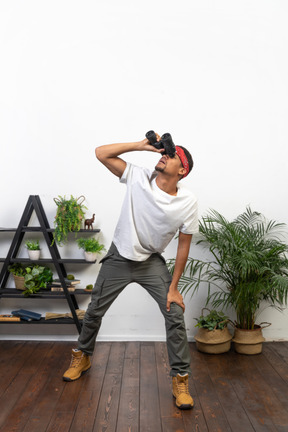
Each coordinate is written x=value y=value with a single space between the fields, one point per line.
x=80 y=363
x=181 y=392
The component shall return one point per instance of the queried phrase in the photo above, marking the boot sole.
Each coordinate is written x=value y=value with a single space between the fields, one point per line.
x=183 y=406
x=75 y=379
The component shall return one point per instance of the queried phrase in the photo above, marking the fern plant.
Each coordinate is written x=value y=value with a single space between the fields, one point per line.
x=249 y=265
x=69 y=216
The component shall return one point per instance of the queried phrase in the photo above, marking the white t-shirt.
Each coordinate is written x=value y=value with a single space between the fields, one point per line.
x=150 y=217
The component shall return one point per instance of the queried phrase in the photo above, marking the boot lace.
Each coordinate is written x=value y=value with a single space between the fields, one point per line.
x=182 y=387
x=75 y=361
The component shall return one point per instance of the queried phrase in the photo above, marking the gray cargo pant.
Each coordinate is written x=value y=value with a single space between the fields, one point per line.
x=115 y=274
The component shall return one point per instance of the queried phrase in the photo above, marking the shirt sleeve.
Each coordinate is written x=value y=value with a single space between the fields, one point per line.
x=134 y=174
x=191 y=223
x=126 y=174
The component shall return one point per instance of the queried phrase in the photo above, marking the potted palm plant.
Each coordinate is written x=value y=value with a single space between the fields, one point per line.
x=248 y=269
x=91 y=248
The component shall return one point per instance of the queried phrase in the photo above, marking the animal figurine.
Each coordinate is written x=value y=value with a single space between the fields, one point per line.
x=89 y=222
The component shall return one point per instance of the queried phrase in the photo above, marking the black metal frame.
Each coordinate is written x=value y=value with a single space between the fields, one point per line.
x=34 y=204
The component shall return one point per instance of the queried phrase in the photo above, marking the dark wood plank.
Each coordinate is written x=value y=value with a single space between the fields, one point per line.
x=273 y=410
x=106 y=417
x=232 y=407
x=21 y=411
x=63 y=414
x=132 y=350
x=47 y=401
x=211 y=407
x=273 y=379
x=129 y=388
x=237 y=370
x=281 y=349
x=170 y=424
x=12 y=357
x=8 y=350
x=35 y=352
x=116 y=358
x=149 y=398
x=92 y=386
x=128 y=417
x=276 y=361
x=166 y=400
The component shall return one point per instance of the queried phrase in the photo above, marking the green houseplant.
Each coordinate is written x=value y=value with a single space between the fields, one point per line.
x=213 y=336
x=18 y=272
x=33 y=248
x=91 y=248
x=248 y=268
x=35 y=277
x=69 y=216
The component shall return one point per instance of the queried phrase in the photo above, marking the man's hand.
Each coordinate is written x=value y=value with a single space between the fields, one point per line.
x=175 y=297
x=145 y=144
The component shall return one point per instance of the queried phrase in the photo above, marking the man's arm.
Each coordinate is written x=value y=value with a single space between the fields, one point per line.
x=109 y=154
x=174 y=295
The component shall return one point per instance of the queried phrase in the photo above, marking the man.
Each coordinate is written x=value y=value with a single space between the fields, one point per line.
x=155 y=208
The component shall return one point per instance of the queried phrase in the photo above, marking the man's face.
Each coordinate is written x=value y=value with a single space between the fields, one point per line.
x=169 y=165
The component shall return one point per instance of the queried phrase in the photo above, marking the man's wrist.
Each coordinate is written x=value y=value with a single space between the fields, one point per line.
x=173 y=287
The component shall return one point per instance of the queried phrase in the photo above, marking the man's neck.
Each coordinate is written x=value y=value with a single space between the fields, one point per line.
x=168 y=186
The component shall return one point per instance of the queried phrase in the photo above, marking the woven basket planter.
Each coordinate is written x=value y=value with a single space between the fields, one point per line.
x=213 y=341
x=248 y=342
x=19 y=282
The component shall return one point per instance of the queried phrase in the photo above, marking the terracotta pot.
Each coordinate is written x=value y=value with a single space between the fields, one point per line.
x=213 y=341
x=248 y=341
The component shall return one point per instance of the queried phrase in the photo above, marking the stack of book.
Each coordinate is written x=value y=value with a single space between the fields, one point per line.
x=71 y=285
x=26 y=315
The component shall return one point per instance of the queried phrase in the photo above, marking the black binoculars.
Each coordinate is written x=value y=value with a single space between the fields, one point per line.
x=165 y=142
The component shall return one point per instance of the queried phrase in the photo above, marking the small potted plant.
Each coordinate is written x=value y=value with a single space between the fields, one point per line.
x=33 y=248
x=213 y=336
x=91 y=248
x=32 y=278
x=18 y=272
x=69 y=216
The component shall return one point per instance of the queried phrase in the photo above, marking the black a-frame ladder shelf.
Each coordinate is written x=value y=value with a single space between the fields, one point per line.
x=34 y=204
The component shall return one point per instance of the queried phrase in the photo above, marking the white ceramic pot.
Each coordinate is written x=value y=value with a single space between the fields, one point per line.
x=34 y=255
x=90 y=256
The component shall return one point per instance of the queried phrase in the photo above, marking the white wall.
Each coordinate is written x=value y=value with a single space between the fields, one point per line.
x=75 y=75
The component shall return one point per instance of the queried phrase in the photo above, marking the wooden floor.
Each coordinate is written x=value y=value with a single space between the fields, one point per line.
x=129 y=389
